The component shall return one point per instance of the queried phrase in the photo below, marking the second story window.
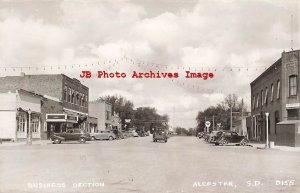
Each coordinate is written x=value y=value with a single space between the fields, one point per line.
x=65 y=93
x=266 y=96
x=107 y=115
x=69 y=95
x=272 y=92
x=278 y=89
x=262 y=97
x=253 y=102
x=293 y=85
x=257 y=101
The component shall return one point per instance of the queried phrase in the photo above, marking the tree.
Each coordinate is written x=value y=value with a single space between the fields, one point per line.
x=147 y=117
x=220 y=112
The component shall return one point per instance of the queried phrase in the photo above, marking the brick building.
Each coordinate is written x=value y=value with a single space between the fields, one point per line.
x=64 y=103
x=276 y=91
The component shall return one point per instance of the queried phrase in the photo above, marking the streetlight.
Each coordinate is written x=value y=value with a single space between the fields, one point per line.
x=267 y=130
x=29 y=135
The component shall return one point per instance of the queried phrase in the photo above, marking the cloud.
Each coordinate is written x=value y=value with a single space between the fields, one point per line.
x=245 y=36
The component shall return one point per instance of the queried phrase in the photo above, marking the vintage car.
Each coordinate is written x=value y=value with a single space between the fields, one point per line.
x=71 y=135
x=160 y=135
x=214 y=135
x=135 y=134
x=232 y=137
x=103 y=135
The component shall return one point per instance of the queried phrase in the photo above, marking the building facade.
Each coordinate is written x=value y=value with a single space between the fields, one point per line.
x=20 y=110
x=104 y=114
x=65 y=102
x=275 y=92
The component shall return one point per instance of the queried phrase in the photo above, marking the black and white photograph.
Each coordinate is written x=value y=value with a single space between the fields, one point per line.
x=143 y=96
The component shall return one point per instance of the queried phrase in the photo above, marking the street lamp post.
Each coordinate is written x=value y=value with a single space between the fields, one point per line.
x=267 y=130
x=29 y=136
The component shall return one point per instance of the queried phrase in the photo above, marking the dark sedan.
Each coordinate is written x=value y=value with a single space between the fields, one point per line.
x=71 y=135
x=232 y=137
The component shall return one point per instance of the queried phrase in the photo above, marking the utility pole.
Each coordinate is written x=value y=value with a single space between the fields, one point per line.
x=213 y=122
x=29 y=135
x=204 y=123
x=267 y=130
x=230 y=117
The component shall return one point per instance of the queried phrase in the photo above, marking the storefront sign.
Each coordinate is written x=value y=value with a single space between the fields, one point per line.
x=293 y=106
x=61 y=118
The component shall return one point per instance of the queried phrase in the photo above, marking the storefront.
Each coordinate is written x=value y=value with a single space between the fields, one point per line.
x=60 y=123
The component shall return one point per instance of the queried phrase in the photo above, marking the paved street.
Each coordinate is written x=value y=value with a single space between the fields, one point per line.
x=137 y=165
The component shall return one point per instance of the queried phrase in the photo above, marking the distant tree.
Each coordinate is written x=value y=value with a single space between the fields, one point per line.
x=221 y=112
x=147 y=117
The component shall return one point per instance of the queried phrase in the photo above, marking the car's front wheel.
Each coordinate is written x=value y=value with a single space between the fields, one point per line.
x=56 y=141
x=110 y=138
x=82 y=140
x=93 y=138
x=224 y=142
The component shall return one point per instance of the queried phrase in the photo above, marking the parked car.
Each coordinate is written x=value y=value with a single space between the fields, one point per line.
x=103 y=135
x=135 y=134
x=206 y=136
x=71 y=135
x=160 y=135
x=228 y=137
x=214 y=135
x=200 y=135
x=141 y=133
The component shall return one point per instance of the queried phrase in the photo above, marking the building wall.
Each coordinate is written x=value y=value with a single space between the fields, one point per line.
x=290 y=61
x=287 y=135
x=271 y=76
x=12 y=106
x=78 y=89
x=52 y=85
x=99 y=111
x=287 y=65
x=42 y=84
x=48 y=106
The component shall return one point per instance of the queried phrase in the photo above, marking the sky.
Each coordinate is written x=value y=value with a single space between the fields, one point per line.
x=234 y=39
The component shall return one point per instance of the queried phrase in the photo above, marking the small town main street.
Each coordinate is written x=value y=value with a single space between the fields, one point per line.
x=137 y=165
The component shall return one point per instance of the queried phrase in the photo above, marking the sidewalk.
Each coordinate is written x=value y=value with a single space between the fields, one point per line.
x=22 y=143
x=282 y=148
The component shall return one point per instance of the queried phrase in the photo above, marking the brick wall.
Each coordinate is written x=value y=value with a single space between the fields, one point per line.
x=48 y=106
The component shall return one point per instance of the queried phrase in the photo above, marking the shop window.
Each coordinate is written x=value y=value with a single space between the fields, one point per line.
x=21 y=123
x=278 y=89
x=272 y=91
x=293 y=85
x=35 y=123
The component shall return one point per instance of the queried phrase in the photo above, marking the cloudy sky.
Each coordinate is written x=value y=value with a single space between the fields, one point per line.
x=234 y=39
